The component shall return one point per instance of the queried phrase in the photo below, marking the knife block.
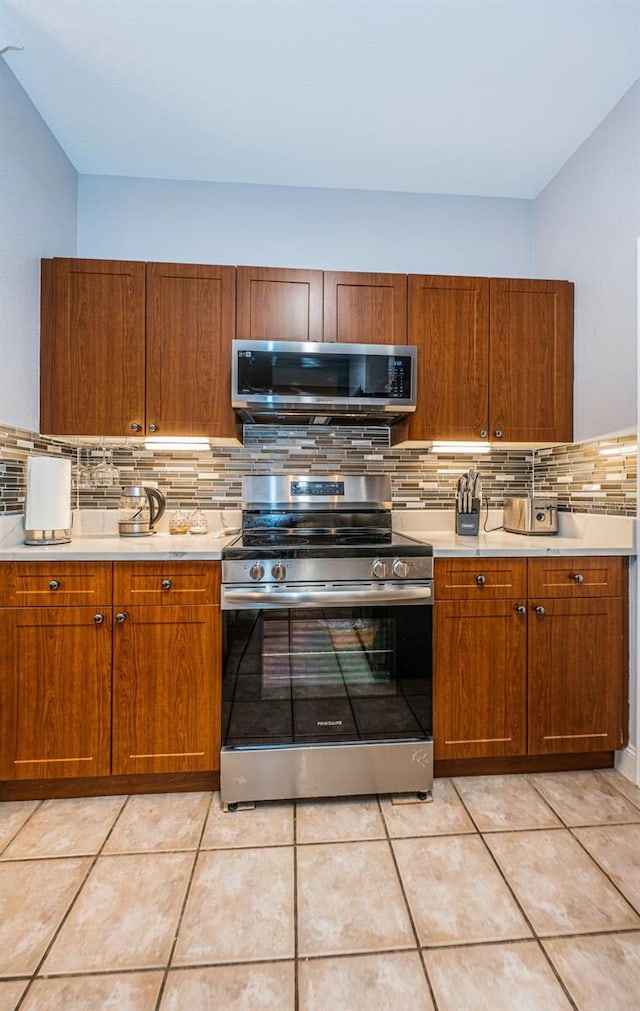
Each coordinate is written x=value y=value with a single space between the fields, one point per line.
x=468 y=524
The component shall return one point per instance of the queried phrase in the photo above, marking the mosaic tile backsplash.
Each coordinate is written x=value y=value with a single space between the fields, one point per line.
x=595 y=476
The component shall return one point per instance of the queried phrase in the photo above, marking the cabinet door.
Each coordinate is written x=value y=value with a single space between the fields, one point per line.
x=365 y=308
x=55 y=692
x=277 y=304
x=166 y=689
x=92 y=354
x=531 y=360
x=479 y=681
x=577 y=672
x=190 y=326
x=449 y=324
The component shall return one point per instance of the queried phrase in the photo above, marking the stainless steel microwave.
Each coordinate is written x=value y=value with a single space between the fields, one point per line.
x=296 y=381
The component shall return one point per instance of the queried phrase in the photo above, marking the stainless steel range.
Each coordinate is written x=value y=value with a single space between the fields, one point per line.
x=327 y=672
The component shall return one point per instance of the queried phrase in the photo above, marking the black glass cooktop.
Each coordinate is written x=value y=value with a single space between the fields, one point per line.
x=297 y=545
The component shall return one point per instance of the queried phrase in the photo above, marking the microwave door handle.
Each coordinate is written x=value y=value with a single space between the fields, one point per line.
x=400 y=595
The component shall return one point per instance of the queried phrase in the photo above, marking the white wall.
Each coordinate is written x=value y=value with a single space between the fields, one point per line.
x=38 y=211
x=586 y=222
x=199 y=222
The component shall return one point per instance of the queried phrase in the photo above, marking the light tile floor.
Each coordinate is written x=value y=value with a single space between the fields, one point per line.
x=507 y=893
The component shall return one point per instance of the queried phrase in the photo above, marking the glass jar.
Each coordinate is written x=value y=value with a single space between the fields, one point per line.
x=178 y=522
x=198 y=522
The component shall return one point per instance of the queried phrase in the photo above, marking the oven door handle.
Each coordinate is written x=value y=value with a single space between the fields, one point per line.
x=329 y=598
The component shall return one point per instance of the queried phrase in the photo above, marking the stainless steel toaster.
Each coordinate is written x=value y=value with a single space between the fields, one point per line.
x=533 y=514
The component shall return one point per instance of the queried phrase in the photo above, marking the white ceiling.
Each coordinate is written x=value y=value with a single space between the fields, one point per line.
x=481 y=97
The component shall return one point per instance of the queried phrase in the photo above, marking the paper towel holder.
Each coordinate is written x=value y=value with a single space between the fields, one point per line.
x=44 y=537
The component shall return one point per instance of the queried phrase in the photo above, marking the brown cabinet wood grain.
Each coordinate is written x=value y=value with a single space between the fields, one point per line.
x=480 y=679
x=92 y=358
x=190 y=326
x=166 y=583
x=495 y=358
x=55 y=692
x=34 y=584
x=166 y=690
x=279 y=304
x=537 y=673
x=362 y=308
x=132 y=348
x=531 y=360
x=481 y=578
x=582 y=576
x=449 y=324
x=577 y=668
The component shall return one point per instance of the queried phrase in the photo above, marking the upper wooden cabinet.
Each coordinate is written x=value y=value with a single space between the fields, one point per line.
x=365 y=308
x=131 y=348
x=495 y=358
x=190 y=326
x=449 y=324
x=530 y=360
x=92 y=353
x=277 y=304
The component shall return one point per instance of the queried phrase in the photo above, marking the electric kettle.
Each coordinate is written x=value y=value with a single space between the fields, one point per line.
x=140 y=508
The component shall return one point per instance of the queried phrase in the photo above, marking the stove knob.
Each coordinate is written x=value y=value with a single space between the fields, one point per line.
x=400 y=568
x=379 y=569
x=278 y=571
x=256 y=571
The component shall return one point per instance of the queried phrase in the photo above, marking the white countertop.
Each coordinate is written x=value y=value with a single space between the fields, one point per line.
x=579 y=534
x=95 y=539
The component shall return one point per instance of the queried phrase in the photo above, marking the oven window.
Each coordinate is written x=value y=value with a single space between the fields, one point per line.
x=322 y=675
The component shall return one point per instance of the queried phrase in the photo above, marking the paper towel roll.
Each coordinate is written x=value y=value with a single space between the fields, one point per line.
x=48 y=505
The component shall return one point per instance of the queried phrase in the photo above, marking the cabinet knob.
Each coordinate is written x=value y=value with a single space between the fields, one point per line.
x=54 y=584
x=498 y=433
x=483 y=433
x=98 y=618
x=578 y=578
x=481 y=580
x=539 y=609
x=166 y=584
x=120 y=617
x=520 y=608
x=135 y=427
x=153 y=428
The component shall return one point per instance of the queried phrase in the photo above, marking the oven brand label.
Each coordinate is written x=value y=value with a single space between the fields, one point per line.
x=328 y=723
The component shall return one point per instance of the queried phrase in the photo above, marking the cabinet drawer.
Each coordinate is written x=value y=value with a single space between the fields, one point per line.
x=166 y=583
x=480 y=578
x=577 y=577
x=41 y=584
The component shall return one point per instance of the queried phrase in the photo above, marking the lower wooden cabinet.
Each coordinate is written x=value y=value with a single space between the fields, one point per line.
x=529 y=674
x=115 y=688
x=55 y=692
x=480 y=680
x=166 y=705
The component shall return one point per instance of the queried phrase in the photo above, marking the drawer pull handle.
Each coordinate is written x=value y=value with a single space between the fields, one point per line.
x=520 y=608
x=54 y=584
x=481 y=580
x=166 y=584
x=578 y=578
x=120 y=617
x=98 y=618
x=539 y=609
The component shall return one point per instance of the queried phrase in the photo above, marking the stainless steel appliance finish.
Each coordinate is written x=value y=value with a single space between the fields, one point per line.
x=535 y=514
x=309 y=382
x=327 y=674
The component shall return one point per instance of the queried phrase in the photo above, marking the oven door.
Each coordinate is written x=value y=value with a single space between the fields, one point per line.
x=322 y=701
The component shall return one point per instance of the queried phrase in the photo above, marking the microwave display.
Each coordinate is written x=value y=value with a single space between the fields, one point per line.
x=346 y=374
